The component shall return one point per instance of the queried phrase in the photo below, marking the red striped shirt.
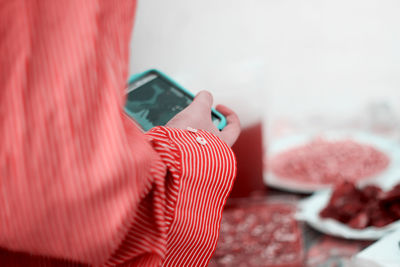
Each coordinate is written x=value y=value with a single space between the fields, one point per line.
x=78 y=181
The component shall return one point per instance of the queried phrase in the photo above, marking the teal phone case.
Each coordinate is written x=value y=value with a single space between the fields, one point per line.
x=137 y=76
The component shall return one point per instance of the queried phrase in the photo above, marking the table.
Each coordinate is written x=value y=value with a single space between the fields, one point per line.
x=317 y=249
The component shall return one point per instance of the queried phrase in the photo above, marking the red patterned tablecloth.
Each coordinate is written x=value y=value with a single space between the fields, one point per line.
x=262 y=231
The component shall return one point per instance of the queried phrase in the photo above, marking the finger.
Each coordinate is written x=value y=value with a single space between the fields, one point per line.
x=203 y=99
x=231 y=131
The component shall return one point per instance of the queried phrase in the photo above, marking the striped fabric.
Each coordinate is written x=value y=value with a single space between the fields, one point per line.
x=198 y=182
x=79 y=183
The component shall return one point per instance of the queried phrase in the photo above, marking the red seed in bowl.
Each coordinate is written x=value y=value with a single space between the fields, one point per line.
x=325 y=162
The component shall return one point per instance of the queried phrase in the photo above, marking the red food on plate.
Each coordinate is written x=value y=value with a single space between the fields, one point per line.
x=370 y=192
x=392 y=195
x=395 y=209
x=360 y=221
x=346 y=199
x=325 y=162
x=360 y=208
x=259 y=234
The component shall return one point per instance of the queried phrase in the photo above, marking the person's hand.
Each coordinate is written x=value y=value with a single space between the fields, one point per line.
x=198 y=115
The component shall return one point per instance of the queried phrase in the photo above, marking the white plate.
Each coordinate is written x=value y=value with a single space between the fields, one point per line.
x=386 y=179
x=310 y=208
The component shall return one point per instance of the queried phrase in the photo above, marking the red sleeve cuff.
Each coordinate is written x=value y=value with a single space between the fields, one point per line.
x=200 y=173
x=204 y=170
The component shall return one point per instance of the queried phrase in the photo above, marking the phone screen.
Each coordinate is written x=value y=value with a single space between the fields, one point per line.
x=152 y=101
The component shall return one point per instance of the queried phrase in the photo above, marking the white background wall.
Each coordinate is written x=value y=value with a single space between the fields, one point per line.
x=289 y=57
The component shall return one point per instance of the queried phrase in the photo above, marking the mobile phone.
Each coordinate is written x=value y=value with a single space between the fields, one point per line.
x=153 y=99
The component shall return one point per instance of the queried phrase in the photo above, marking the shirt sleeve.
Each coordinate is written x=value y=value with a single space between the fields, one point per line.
x=78 y=181
x=200 y=173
